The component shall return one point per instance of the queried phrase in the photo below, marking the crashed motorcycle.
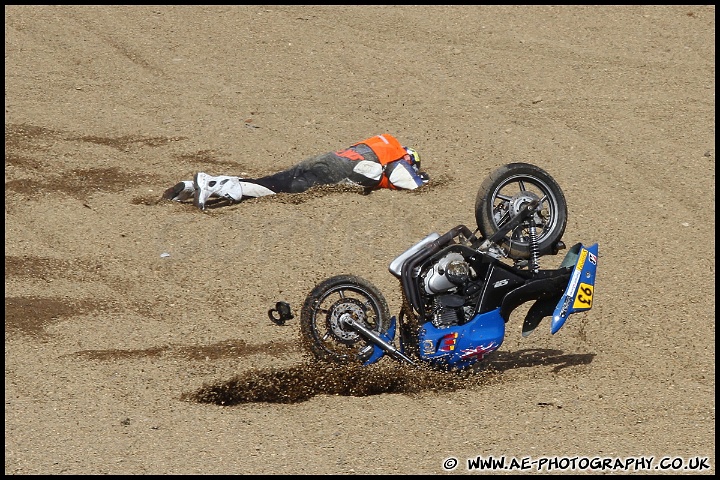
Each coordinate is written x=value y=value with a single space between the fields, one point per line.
x=460 y=288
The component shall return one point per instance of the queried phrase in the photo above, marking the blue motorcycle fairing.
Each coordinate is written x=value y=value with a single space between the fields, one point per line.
x=578 y=295
x=463 y=345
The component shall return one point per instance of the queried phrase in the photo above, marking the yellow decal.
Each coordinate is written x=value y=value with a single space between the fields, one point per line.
x=584 y=297
x=581 y=260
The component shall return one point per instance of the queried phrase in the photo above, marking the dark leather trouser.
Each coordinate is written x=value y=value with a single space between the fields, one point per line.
x=325 y=169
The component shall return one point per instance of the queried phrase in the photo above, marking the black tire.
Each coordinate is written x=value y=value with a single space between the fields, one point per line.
x=504 y=192
x=320 y=329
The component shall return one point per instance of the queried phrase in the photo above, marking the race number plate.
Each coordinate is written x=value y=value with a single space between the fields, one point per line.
x=580 y=290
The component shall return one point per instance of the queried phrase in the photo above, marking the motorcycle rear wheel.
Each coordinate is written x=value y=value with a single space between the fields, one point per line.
x=322 y=331
x=505 y=191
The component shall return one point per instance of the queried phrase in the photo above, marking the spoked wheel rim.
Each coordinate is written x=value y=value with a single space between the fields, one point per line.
x=519 y=190
x=331 y=332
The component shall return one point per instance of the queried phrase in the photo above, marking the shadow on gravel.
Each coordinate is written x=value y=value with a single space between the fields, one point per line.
x=503 y=361
x=302 y=382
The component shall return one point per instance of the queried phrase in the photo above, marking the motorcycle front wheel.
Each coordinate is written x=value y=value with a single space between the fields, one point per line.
x=322 y=328
x=504 y=192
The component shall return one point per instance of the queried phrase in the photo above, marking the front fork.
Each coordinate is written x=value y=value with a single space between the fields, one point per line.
x=381 y=343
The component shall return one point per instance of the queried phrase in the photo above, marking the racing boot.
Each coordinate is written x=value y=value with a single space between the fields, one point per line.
x=223 y=186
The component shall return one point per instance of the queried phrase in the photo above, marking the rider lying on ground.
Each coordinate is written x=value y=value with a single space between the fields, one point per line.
x=377 y=162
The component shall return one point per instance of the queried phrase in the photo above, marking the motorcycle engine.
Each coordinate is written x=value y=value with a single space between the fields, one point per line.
x=442 y=282
x=447 y=273
x=448 y=310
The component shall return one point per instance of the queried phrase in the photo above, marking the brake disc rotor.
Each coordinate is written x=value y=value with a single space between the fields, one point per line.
x=346 y=306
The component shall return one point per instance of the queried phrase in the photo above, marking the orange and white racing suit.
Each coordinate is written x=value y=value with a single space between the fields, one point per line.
x=376 y=162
